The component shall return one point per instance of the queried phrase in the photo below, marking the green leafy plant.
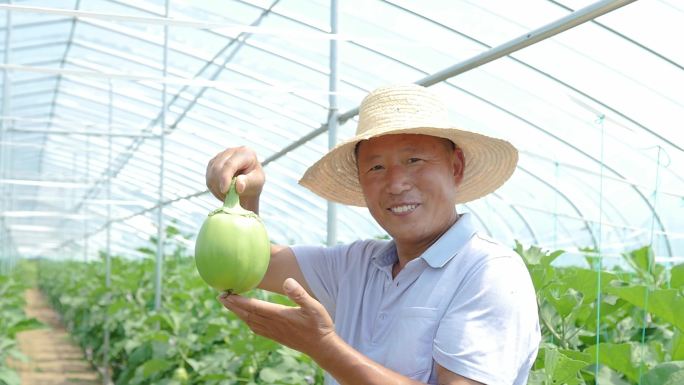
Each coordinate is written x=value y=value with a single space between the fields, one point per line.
x=13 y=319
x=617 y=327
x=191 y=340
x=611 y=327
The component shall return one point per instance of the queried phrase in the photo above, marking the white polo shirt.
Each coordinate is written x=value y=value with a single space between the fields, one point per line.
x=467 y=303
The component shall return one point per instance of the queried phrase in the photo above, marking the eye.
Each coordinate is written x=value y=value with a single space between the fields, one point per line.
x=377 y=167
x=414 y=160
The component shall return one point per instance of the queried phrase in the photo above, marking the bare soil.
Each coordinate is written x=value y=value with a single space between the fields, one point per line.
x=53 y=358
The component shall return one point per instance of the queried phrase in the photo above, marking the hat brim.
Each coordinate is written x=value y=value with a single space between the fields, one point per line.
x=489 y=162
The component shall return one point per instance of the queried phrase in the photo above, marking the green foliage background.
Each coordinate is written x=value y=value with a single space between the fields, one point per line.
x=619 y=327
x=192 y=340
x=615 y=327
x=13 y=319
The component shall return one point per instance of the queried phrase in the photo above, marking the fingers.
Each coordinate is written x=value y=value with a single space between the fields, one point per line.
x=236 y=161
x=254 y=321
x=221 y=170
x=240 y=161
x=209 y=175
x=300 y=328
x=297 y=293
x=240 y=184
x=215 y=177
x=250 y=309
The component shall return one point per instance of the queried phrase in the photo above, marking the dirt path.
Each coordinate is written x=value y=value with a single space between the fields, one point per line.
x=53 y=358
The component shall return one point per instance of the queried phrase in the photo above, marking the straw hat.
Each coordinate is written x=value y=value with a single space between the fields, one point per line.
x=410 y=109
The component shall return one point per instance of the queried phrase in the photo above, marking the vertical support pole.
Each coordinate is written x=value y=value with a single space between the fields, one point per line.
x=333 y=115
x=108 y=256
x=651 y=262
x=84 y=207
x=160 y=210
x=71 y=200
x=5 y=236
x=555 y=206
x=599 y=262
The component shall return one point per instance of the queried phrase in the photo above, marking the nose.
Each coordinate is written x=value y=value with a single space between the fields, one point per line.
x=398 y=180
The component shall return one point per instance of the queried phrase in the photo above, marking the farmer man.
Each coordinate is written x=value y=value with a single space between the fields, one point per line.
x=440 y=303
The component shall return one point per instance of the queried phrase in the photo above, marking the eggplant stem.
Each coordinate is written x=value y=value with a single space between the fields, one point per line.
x=232 y=198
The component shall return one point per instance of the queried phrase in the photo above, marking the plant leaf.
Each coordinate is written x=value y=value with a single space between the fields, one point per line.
x=677 y=276
x=586 y=281
x=678 y=346
x=23 y=325
x=9 y=376
x=608 y=376
x=641 y=259
x=566 y=303
x=616 y=356
x=668 y=373
x=561 y=369
x=155 y=365
x=665 y=303
x=536 y=256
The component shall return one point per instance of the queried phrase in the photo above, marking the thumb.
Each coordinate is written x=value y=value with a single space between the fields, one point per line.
x=296 y=292
x=240 y=184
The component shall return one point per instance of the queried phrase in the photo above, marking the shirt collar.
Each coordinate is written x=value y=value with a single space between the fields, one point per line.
x=440 y=252
x=386 y=255
x=450 y=243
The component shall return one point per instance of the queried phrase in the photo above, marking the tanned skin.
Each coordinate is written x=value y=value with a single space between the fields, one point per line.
x=388 y=178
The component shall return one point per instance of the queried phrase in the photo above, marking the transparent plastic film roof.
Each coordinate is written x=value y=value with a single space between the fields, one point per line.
x=111 y=111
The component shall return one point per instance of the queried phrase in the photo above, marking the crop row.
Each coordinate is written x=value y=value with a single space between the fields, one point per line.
x=13 y=319
x=191 y=340
x=619 y=327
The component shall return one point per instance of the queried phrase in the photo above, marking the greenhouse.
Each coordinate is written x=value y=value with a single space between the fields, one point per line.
x=113 y=109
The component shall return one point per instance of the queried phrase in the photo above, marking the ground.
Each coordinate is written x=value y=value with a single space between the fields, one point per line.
x=54 y=359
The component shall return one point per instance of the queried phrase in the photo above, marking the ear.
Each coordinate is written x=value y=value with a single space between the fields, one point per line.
x=459 y=165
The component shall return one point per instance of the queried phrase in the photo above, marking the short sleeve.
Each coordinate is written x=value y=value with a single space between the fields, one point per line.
x=490 y=331
x=323 y=268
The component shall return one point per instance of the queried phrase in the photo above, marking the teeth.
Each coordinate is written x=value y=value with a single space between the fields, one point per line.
x=403 y=209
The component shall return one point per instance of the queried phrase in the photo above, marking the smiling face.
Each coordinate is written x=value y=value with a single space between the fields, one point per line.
x=409 y=183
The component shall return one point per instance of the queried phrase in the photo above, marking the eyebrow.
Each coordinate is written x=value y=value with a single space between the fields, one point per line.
x=450 y=144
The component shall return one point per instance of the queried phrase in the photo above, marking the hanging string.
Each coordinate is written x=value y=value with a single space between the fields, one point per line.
x=555 y=209
x=599 y=262
x=555 y=223
x=651 y=252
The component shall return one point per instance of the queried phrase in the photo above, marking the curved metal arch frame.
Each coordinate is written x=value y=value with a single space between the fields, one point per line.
x=519 y=214
x=560 y=140
x=92 y=100
x=526 y=122
x=663 y=229
x=566 y=199
x=551 y=77
x=597 y=161
x=85 y=196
